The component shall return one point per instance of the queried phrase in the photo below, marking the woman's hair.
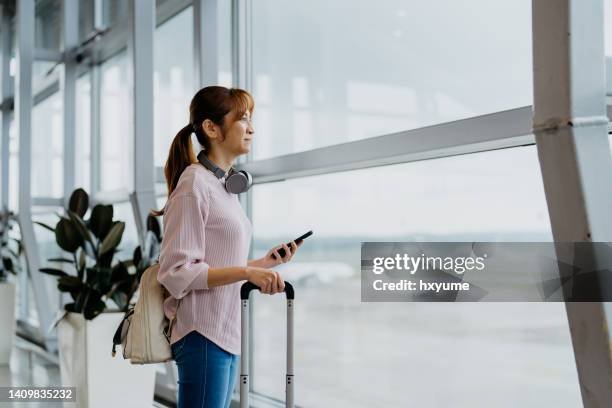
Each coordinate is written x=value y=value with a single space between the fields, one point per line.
x=212 y=102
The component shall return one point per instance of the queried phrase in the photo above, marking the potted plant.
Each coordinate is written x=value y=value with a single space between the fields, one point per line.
x=101 y=288
x=10 y=253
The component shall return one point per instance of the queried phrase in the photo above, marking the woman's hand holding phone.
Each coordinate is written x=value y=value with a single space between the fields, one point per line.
x=284 y=252
x=268 y=281
x=280 y=254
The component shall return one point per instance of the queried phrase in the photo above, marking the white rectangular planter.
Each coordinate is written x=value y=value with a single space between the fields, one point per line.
x=7 y=320
x=86 y=363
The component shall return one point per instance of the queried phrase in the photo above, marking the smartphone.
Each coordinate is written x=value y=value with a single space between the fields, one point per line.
x=297 y=241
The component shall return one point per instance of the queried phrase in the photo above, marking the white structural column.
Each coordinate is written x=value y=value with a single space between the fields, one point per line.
x=242 y=46
x=241 y=74
x=206 y=42
x=5 y=92
x=68 y=89
x=241 y=70
x=570 y=125
x=23 y=118
x=140 y=71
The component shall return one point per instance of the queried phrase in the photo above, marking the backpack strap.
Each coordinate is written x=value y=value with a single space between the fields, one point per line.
x=117 y=337
x=168 y=331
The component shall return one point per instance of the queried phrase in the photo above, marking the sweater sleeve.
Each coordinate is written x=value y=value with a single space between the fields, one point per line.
x=181 y=259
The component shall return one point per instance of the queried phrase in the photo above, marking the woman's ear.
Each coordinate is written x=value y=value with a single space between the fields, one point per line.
x=210 y=129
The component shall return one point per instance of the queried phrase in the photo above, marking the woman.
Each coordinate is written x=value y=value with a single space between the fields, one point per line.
x=203 y=258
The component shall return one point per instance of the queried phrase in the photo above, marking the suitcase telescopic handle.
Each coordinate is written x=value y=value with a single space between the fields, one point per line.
x=247 y=287
x=245 y=291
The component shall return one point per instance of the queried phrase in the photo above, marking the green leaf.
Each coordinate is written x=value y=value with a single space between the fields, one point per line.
x=13 y=253
x=106 y=260
x=52 y=271
x=80 y=226
x=69 y=281
x=128 y=263
x=70 y=307
x=67 y=236
x=7 y=263
x=153 y=226
x=45 y=226
x=63 y=260
x=101 y=220
x=82 y=260
x=80 y=300
x=94 y=305
x=100 y=280
x=119 y=272
x=88 y=243
x=71 y=284
x=113 y=238
x=79 y=202
x=137 y=257
x=120 y=299
x=120 y=286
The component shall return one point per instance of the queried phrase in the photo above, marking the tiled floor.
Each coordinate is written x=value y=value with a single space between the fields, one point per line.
x=32 y=366
x=29 y=366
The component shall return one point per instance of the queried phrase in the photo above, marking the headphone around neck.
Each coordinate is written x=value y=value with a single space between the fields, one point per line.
x=236 y=182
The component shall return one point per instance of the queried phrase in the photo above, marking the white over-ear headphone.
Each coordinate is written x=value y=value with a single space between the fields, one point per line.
x=236 y=182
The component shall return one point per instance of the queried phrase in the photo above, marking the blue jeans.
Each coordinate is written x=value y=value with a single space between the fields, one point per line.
x=206 y=372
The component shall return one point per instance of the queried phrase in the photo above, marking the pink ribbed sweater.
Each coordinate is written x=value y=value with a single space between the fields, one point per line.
x=204 y=226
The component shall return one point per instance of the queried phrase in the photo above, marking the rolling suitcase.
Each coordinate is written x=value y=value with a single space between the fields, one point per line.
x=245 y=290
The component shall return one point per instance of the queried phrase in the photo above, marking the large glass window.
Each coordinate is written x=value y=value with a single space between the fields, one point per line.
x=445 y=353
x=330 y=72
x=173 y=80
x=116 y=140
x=48 y=148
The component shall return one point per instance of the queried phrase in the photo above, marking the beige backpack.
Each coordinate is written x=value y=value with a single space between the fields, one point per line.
x=144 y=333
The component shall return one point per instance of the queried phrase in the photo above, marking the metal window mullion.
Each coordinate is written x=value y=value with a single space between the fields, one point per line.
x=248 y=57
x=5 y=93
x=23 y=119
x=239 y=75
x=242 y=34
x=609 y=76
x=43 y=54
x=47 y=201
x=166 y=10
x=141 y=30
x=240 y=54
x=499 y=130
x=206 y=42
x=68 y=89
x=571 y=131
x=98 y=14
x=95 y=143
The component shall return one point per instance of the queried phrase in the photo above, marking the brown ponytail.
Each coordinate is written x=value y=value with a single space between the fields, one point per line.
x=211 y=102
